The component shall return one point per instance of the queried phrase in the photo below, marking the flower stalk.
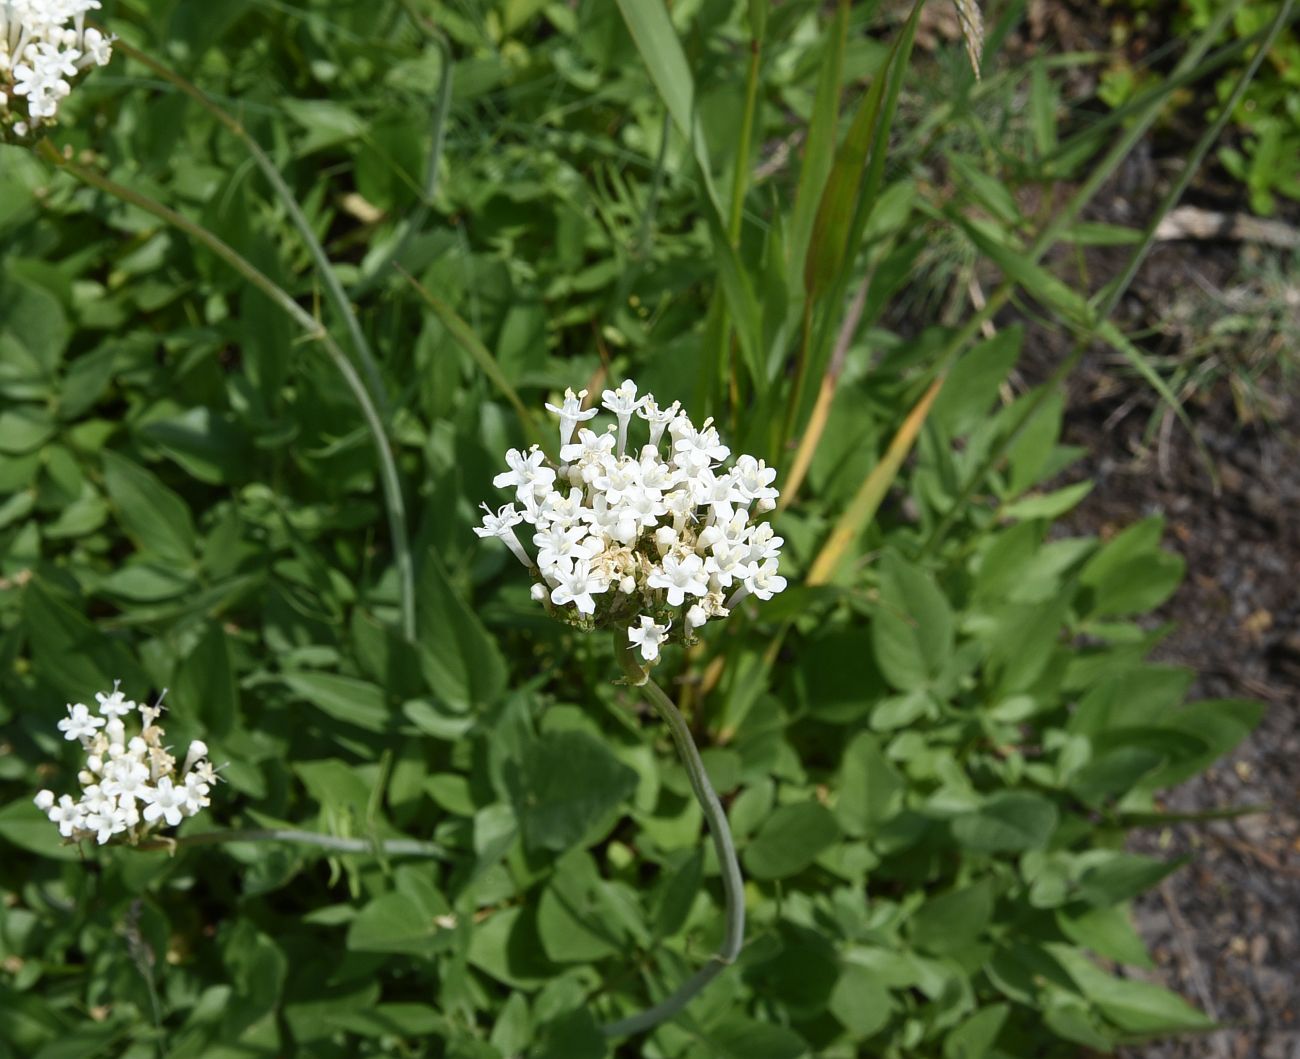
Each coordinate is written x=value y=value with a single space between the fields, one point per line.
x=733 y=883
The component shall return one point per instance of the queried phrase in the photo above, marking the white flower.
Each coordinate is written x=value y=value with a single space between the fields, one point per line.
x=618 y=534
x=44 y=45
x=571 y=414
x=105 y=822
x=80 y=722
x=623 y=402
x=114 y=704
x=679 y=576
x=527 y=473
x=577 y=584
x=657 y=418
x=502 y=525
x=648 y=637
x=763 y=580
x=124 y=771
x=164 y=800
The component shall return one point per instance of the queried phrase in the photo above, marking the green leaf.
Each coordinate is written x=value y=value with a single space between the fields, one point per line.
x=396 y=922
x=1007 y=822
x=861 y=1001
x=1131 y=573
x=460 y=658
x=73 y=656
x=870 y=788
x=973 y=1038
x=913 y=629
x=569 y=782
x=575 y=918
x=1132 y=1005
x=739 y=1037
x=790 y=840
x=1122 y=876
x=972 y=383
x=952 y=921
x=25 y=826
x=151 y=514
x=1107 y=931
x=205 y=685
x=345 y=699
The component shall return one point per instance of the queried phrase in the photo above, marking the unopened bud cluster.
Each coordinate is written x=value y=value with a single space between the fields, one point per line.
x=44 y=46
x=651 y=537
x=130 y=783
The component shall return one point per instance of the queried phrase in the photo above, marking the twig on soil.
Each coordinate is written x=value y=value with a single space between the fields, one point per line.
x=1195 y=972
x=1192 y=222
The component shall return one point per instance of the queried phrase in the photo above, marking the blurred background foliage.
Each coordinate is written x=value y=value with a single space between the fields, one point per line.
x=932 y=747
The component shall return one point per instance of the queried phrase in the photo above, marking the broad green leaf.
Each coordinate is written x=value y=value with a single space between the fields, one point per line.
x=912 y=629
x=569 y=782
x=739 y=1037
x=25 y=826
x=151 y=514
x=861 y=1001
x=1122 y=876
x=460 y=658
x=1007 y=822
x=973 y=1038
x=952 y=921
x=345 y=699
x=790 y=840
x=397 y=923
x=1131 y=573
x=1132 y=1005
x=73 y=656
x=870 y=788
x=205 y=685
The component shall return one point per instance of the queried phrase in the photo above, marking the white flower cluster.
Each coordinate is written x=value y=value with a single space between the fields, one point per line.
x=635 y=539
x=44 y=45
x=130 y=785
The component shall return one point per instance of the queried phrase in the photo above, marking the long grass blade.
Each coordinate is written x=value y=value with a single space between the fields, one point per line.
x=866 y=502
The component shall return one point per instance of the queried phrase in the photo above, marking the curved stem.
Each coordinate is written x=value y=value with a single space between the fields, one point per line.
x=733 y=884
x=333 y=288
x=335 y=843
x=389 y=481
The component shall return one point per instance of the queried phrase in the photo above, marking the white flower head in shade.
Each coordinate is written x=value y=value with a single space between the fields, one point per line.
x=130 y=783
x=45 y=45
x=634 y=535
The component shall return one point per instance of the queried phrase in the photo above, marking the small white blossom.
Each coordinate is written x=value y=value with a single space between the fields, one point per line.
x=625 y=538
x=571 y=413
x=123 y=772
x=80 y=722
x=648 y=637
x=44 y=46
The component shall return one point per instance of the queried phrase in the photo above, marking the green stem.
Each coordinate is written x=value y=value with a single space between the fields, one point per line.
x=388 y=477
x=333 y=288
x=733 y=884
x=334 y=843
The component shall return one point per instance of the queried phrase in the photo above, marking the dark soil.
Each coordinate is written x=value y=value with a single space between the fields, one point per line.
x=1225 y=930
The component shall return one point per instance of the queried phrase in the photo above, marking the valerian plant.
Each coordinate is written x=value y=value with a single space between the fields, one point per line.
x=926 y=757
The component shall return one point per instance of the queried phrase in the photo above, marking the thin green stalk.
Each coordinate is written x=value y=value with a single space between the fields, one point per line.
x=1109 y=297
x=437 y=141
x=333 y=288
x=733 y=884
x=389 y=481
x=398 y=847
